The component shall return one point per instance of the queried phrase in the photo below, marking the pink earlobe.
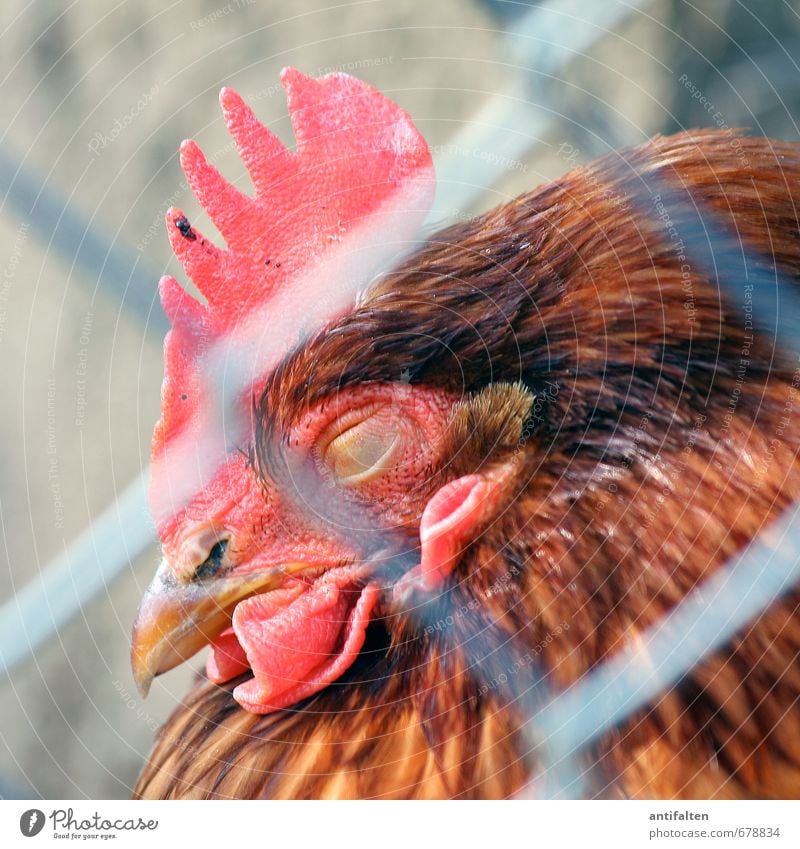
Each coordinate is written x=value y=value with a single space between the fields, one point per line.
x=449 y=523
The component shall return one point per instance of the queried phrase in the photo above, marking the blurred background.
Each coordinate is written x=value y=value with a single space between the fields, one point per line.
x=96 y=99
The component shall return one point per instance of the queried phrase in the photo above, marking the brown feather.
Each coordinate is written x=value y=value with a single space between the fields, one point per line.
x=651 y=455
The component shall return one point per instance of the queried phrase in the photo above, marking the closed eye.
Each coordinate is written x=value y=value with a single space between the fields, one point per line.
x=362 y=450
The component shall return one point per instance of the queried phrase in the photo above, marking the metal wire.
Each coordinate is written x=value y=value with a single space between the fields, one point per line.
x=499 y=137
x=48 y=602
x=704 y=621
x=120 y=272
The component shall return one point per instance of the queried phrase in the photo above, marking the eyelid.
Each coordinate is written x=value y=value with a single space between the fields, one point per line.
x=341 y=428
x=375 y=468
x=197 y=547
x=347 y=421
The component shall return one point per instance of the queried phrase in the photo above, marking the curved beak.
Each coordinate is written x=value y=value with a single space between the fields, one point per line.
x=176 y=619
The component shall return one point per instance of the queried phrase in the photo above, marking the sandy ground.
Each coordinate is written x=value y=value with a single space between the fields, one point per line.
x=96 y=98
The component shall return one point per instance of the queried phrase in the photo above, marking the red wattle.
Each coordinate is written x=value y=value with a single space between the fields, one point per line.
x=227 y=658
x=296 y=641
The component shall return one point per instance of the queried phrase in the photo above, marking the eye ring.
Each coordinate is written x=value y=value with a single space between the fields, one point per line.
x=214 y=562
x=204 y=554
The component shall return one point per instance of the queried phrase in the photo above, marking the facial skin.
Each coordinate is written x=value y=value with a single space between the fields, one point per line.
x=359 y=497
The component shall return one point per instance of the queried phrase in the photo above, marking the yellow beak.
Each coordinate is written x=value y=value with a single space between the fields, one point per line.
x=176 y=619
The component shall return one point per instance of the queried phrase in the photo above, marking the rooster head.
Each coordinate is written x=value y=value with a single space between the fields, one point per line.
x=289 y=506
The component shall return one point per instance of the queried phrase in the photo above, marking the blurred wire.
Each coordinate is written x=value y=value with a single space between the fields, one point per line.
x=38 y=610
x=124 y=530
x=498 y=138
x=702 y=623
x=116 y=270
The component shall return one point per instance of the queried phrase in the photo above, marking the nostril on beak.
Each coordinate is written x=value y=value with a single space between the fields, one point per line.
x=213 y=563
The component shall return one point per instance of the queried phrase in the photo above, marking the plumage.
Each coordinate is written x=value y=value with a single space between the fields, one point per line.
x=652 y=426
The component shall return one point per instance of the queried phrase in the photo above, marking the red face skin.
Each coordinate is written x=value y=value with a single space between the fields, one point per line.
x=362 y=478
x=269 y=527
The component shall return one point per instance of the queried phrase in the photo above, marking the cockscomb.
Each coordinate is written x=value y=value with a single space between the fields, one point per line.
x=321 y=221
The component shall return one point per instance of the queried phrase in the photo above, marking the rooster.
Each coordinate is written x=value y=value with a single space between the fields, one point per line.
x=397 y=505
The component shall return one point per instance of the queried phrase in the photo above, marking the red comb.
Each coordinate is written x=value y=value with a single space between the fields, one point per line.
x=356 y=152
